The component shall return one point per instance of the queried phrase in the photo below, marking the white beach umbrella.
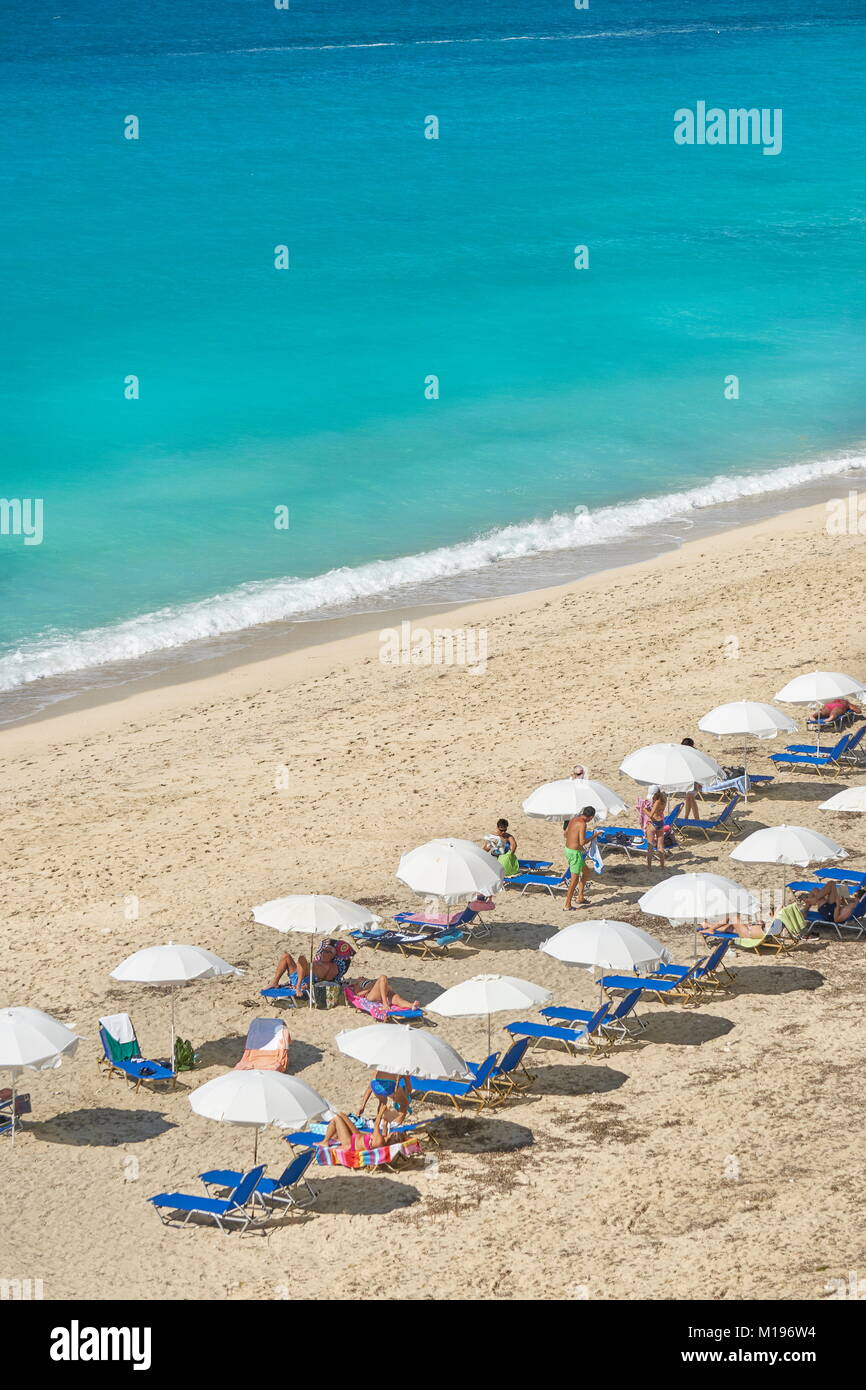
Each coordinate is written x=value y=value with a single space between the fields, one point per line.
x=746 y=719
x=316 y=914
x=453 y=871
x=750 y=718
x=172 y=965
x=557 y=801
x=484 y=995
x=698 y=898
x=607 y=945
x=851 y=799
x=258 y=1099
x=31 y=1040
x=787 y=844
x=404 y=1051
x=675 y=767
x=818 y=686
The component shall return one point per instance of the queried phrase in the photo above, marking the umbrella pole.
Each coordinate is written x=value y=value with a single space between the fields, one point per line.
x=171 y=1060
x=312 y=977
x=14 y=1089
x=255 y=1145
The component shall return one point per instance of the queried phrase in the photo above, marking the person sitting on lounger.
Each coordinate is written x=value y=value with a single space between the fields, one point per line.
x=380 y=991
x=840 y=905
x=330 y=964
x=824 y=898
x=834 y=709
x=345 y=1135
x=387 y=1086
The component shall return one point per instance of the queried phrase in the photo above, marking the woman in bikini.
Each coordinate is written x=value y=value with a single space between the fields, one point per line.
x=380 y=991
x=346 y=1135
x=655 y=826
x=387 y=1086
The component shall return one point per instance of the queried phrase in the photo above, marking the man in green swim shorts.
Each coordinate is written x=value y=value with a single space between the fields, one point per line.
x=576 y=841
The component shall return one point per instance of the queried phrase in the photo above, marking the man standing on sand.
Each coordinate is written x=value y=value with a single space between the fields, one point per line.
x=576 y=843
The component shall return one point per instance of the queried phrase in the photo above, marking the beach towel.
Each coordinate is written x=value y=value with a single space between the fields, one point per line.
x=594 y=856
x=642 y=807
x=377 y=1011
x=330 y=1156
x=267 y=1046
x=122 y=1042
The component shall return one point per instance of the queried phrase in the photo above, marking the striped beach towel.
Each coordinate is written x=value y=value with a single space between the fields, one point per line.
x=329 y=1156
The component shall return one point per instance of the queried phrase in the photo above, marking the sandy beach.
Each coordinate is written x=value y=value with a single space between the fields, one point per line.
x=719 y=1158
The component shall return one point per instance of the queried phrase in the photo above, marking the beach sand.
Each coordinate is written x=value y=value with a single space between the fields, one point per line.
x=720 y=1158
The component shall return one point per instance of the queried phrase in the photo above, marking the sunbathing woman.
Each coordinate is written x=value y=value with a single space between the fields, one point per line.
x=345 y=1135
x=381 y=991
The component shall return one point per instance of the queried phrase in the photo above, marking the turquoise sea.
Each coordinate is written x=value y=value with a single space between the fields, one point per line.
x=601 y=389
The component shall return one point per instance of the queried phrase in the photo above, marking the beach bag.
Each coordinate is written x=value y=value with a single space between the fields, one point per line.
x=327 y=995
x=184 y=1055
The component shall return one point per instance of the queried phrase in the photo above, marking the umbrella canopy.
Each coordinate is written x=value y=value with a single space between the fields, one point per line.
x=315 y=913
x=818 y=686
x=172 y=965
x=404 y=1051
x=34 y=1041
x=698 y=898
x=675 y=767
x=483 y=995
x=453 y=871
x=561 y=800
x=851 y=799
x=748 y=718
x=259 y=1098
x=604 y=945
x=787 y=844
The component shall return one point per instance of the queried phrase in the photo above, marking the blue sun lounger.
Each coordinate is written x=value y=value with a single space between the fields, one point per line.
x=806 y=755
x=509 y=1074
x=611 y=836
x=476 y=1091
x=549 y=881
x=234 y=1210
x=684 y=987
x=122 y=1056
x=725 y=821
x=856 y=876
x=276 y=1191
x=616 y=1023
x=590 y=1038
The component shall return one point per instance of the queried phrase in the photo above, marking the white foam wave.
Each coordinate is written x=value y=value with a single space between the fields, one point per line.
x=267 y=601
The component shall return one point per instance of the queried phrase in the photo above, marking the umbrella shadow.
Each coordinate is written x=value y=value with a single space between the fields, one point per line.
x=302 y=1055
x=683 y=1029
x=776 y=979
x=477 y=1134
x=102 y=1127
x=363 y=1194
x=564 y=1080
x=219 y=1052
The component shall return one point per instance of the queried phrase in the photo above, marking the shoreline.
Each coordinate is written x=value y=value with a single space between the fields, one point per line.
x=255 y=647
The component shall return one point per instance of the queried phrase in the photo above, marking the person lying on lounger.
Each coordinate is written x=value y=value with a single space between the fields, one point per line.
x=834 y=709
x=330 y=964
x=824 y=898
x=346 y=1135
x=387 y=1086
x=381 y=991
